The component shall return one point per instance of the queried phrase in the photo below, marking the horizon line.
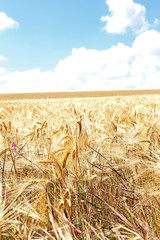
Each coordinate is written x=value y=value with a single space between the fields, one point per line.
x=77 y=94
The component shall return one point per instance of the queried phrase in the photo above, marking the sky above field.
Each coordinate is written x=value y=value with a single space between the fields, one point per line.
x=71 y=45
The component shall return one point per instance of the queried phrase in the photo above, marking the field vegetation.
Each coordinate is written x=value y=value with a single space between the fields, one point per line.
x=80 y=168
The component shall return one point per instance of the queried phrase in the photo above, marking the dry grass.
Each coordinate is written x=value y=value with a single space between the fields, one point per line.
x=80 y=168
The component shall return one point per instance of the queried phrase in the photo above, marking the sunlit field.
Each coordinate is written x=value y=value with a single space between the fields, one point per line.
x=86 y=168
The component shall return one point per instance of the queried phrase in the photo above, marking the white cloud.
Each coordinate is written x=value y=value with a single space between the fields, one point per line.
x=119 y=67
x=2 y=58
x=7 y=22
x=2 y=70
x=156 y=21
x=147 y=43
x=125 y=14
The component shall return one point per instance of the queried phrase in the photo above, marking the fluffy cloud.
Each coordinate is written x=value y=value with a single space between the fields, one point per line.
x=119 y=67
x=124 y=14
x=2 y=58
x=2 y=70
x=6 y=22
x=32 y=80
x=147 y=43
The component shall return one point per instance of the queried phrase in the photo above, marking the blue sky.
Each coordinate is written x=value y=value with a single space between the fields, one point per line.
x=59 y=45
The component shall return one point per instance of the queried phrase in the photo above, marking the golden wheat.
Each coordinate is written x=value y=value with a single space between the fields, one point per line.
x=80 y=168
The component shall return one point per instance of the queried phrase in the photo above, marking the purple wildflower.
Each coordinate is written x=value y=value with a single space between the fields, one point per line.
x=9 y=193
x=122 y=191
x=14 y=146
x=77 y=230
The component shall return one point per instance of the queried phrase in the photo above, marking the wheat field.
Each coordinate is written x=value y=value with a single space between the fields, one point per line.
x=84 y=168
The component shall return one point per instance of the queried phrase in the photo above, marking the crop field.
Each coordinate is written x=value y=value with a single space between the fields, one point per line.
x=80 y=168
